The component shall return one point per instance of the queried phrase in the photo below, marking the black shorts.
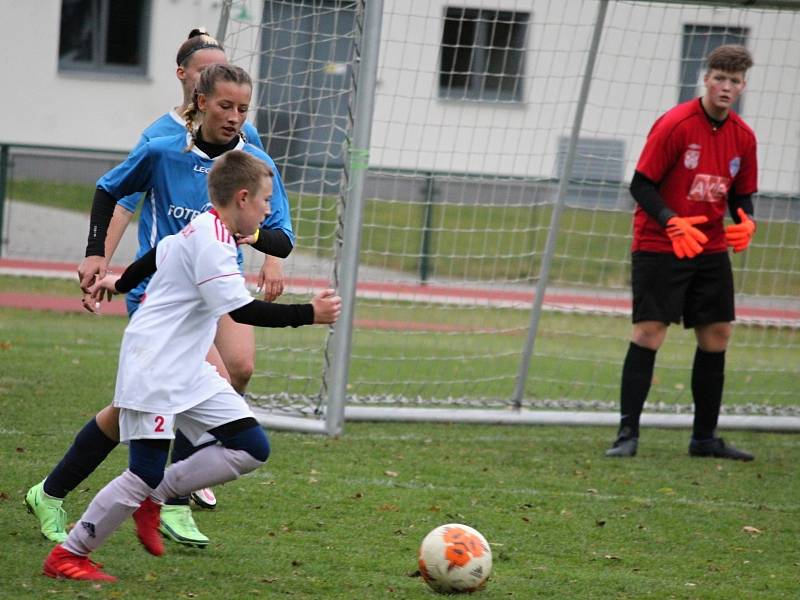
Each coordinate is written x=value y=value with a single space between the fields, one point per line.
x=698 y=291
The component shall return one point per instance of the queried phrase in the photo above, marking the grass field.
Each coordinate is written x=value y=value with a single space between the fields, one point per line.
x=342 y=518
x=577 y=357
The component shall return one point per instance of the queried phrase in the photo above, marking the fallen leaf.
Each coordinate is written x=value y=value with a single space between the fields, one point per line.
x=750 y=529
x=390 y=473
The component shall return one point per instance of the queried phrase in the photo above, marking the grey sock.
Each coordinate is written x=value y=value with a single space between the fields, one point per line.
x=205 y=468
x=107 y=511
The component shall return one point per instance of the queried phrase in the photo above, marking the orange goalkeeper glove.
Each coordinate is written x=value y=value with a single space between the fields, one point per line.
x=686 y=239
x=739 y=235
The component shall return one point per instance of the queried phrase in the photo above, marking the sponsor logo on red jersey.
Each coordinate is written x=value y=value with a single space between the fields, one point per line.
x=709 y=188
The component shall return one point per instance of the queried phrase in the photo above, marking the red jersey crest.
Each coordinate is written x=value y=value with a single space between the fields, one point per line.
x=692 y=157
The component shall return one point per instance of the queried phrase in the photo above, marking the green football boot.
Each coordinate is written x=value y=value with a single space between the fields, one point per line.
x=177 y=524
x=52 y=518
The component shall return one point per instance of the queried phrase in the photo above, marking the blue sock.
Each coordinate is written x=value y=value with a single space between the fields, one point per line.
x=147 y=460
x=90 y=448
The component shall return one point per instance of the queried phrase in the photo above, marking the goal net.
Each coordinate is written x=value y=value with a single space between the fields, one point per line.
x=490 y=176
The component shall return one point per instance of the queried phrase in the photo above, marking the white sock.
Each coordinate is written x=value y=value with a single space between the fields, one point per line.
x=205 y=468
x=107 y=511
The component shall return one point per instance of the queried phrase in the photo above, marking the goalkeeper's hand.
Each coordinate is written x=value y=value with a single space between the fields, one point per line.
x=738 y=236
x=685 y=237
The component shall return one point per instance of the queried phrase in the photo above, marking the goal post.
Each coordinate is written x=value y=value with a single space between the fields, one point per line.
x=487 y=265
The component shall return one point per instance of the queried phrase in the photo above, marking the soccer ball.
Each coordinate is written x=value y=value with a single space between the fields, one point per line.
x=455 y=558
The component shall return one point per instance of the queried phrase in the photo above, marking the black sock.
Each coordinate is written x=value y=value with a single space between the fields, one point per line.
x=182 y=449
x=637 y=374
x=90 y=448
x=708 y=379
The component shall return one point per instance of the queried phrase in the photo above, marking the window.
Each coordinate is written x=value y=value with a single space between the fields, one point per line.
x=698 y=42
x=483 y=54
x=597 y=172
x=596 y=160
x=108 y=36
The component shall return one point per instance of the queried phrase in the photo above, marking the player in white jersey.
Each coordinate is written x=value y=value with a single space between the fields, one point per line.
x=163 y=379
x=177 y=178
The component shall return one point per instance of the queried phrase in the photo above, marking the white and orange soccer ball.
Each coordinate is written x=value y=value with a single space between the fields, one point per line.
x=455 y=558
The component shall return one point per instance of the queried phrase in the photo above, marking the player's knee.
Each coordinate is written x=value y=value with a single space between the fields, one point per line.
x=244 y=434
x=649 y=334
x=240 y=372
x=259 y=447
x=108 y=422
x=714 y=338
x=148 y=458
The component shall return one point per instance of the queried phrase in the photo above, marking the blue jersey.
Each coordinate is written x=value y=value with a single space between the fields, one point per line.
x=168 y=124
x=177 y=191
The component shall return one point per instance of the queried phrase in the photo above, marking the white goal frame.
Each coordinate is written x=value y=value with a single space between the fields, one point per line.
x=334 y=405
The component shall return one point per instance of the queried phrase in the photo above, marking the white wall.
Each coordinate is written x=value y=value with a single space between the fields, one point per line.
x=39 y=105
x=636 y=79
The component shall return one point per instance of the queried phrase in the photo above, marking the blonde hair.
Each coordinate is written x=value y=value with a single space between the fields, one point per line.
x=233 y=171
x=207 y=84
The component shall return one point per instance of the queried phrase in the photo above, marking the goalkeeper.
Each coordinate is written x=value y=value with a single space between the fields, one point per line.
x=698 y=160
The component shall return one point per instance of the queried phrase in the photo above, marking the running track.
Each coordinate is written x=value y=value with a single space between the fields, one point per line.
x=572 y=302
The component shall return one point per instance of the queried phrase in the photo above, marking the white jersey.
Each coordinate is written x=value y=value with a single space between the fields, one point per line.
x=162 y=362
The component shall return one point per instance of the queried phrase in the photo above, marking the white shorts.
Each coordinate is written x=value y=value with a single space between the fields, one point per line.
x=194 y=423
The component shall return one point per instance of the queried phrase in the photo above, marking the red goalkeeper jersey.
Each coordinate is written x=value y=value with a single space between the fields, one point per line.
x=695 y=165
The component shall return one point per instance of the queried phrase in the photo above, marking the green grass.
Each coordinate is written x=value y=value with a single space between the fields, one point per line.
x=491 y=242
x=342 y=518
x=506 y=244
x=576 y=356
x=68 y=196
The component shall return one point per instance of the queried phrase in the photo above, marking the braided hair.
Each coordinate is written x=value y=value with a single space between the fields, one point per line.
x=209 y=78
